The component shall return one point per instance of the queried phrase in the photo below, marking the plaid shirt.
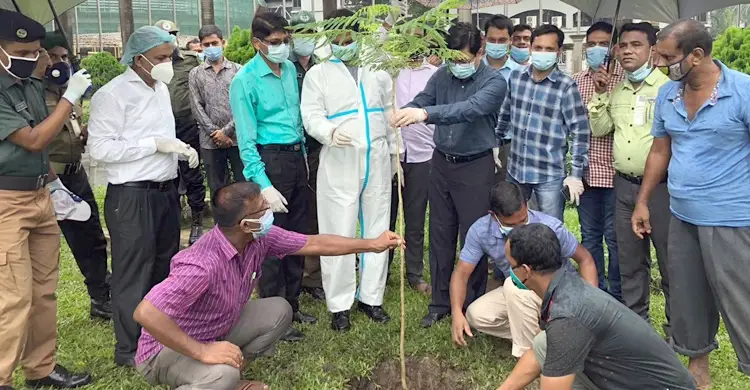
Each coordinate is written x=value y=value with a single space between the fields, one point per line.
x=541 y=117
x=600 y=172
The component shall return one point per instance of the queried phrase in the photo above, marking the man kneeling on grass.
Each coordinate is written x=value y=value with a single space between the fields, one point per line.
x=590 y=340
x=199 y=325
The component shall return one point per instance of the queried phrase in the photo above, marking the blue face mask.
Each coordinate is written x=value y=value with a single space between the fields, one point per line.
x=516 y=281
x=462 y=71
x=496 y=50
x=266 y=222
x=344 y=53
x=277 y=53
x=640 y=74
x=304 y=47
x=595 y=56
x=543 y=61
x=519 y=55
x=59 y=73
x=213 y=53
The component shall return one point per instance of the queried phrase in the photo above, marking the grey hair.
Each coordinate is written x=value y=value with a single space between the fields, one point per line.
x=689 y=34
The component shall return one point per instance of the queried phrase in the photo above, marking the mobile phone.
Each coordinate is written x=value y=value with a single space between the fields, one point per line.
x=566 y=193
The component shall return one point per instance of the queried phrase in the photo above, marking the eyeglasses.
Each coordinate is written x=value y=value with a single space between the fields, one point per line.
x=275 y=43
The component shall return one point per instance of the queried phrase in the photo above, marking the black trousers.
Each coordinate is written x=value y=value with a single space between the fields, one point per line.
x=416 y=185
x=86 y=239
x=144 y=227
x=218 y=164
x=187 y=132
x=459 y=195
x=288 y=173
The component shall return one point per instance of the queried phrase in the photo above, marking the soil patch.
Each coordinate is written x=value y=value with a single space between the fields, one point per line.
x=421 y=374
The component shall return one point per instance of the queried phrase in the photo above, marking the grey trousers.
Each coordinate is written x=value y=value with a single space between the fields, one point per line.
x=635 y=254
x=710 y=276
x=261 y=324
x=582 y=382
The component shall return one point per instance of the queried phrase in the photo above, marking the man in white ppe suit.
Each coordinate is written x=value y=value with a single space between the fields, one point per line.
x=345 y=108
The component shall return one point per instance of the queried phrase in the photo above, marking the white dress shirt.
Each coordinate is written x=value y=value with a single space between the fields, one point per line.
x=127 y=116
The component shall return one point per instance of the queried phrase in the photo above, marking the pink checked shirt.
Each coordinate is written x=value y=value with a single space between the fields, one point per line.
x=601 y=171
x=209 y=284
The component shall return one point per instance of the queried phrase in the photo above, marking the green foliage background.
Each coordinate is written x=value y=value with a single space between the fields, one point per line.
x=240 y=47
x=102 y=67
x=733 y=48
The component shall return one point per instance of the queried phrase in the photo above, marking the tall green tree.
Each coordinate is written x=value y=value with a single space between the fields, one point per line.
x=733 y=48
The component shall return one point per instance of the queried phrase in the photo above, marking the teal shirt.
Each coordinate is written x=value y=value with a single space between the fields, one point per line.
x=266 y=110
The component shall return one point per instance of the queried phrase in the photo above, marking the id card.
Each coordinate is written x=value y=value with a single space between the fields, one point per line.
x=639 y=111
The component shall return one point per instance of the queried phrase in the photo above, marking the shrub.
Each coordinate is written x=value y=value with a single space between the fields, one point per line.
x=733 y=49
x=240 y=46
x=102 y=67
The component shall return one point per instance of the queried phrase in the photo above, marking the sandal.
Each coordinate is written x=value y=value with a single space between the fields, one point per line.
x=251 y=385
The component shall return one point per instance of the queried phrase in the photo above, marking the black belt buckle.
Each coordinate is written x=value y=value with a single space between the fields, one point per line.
x=296 y=147
x=450 y=159
x=163 y=186
x=41 y=181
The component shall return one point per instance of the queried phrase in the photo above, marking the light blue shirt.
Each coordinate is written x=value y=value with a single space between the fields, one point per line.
x=507 y=68
x=485 y=238
x=266 y=110
x=709 y=173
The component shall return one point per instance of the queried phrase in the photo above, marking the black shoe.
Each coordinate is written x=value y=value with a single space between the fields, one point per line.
x=432 y=318
x=304 y=318
x=340 y=321
x=6 y=388
x=315 y=292
x=376 y=313
x=101 y=309
x=292 y=335
x=60 y=378
x=196 y=229
x=125 y=361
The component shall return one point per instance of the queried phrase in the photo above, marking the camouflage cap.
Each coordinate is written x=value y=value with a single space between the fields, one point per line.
x=167 y=25
x=302 y=17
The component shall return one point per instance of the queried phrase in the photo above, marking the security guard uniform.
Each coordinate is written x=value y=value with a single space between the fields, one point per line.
x=85 y=239
x=29 y=235
x=183 y=61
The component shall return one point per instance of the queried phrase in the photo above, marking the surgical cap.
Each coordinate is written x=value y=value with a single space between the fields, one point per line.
x=143 y=40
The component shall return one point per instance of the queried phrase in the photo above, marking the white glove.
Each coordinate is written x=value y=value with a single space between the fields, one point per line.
x=575 y=189
x=408 y=116
x=192 y=157
x=275 y=199
x=496 y=156
x=341 y=138
x=173 y=145
x=78 y=84
x=56 y=185
x=396 y=169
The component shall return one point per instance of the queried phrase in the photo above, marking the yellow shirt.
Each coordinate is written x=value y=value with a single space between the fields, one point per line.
x=630 y=113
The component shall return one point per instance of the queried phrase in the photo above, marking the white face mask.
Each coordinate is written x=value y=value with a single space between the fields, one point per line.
x=161 y=72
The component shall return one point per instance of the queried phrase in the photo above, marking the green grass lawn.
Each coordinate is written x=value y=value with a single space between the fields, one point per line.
x=328 y=360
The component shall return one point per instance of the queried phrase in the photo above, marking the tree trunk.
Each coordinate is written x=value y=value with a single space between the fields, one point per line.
x=207 y=13
x=127 y=25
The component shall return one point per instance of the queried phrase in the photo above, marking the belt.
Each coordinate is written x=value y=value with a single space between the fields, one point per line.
x=636 y=179
x=22 y=183
x=148 y=185
x=65 y=169
x=462 y=159
x=282 y=148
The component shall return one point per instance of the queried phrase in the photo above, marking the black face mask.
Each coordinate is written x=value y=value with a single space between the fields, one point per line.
x=20 y=67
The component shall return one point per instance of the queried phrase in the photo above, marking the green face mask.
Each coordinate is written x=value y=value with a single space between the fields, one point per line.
x=517 y=281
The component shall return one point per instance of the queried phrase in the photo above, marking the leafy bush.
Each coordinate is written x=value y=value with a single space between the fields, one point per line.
x=240 y=47
x=733 y=49
x=102 y=67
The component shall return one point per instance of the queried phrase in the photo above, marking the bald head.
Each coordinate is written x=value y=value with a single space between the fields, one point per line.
x=688 y=34
x=236 y=201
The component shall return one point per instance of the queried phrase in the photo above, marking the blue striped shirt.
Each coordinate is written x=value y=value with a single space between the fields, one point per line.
x=542 y=118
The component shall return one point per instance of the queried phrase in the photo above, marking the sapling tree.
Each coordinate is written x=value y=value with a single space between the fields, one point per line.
x=408 y=40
